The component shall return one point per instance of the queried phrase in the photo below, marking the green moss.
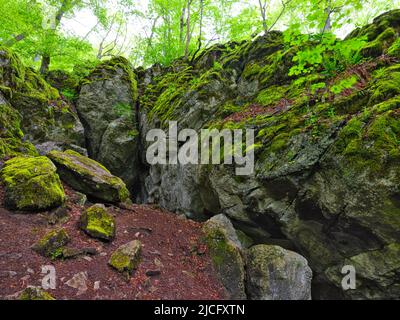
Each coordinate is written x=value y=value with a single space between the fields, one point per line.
x=35 y=293
x=98 y=223
x=103 y=70
x=271 y=95
x=27 y=177
x=52 y=244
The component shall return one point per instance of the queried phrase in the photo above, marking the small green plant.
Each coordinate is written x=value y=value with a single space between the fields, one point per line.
x=69 y=94
x=123 y=109
x=343 y=85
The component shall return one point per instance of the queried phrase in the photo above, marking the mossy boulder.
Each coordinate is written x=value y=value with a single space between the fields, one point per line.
x=32 y=184
x=226 y=254
x=126 y=258
x=89 y=177
x=98 y=223
x=52 y=244
x=274 y=273
x=35 y=293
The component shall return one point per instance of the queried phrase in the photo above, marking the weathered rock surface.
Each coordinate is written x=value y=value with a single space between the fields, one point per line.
x=107 y=108
x=31 y=184
x=52 y=244
x=127 y=257
x=274 y=273
x=225 y=249
x=98 y=223
x=89 y=177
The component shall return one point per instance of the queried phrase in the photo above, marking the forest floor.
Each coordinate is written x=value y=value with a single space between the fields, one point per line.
x=172 y=247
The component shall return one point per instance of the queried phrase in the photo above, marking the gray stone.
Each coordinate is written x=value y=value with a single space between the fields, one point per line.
x=274 y=273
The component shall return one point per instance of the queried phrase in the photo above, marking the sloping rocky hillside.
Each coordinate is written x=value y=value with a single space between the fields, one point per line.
x=327 y=166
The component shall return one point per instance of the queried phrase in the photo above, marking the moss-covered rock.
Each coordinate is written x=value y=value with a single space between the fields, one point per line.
x=98 y=223
x=274 y=273
x=44 y=115
x=126 y=258
x=31 y=184
x=52 y=244
x=89 y=177
x=225 y=250
x=35 y=293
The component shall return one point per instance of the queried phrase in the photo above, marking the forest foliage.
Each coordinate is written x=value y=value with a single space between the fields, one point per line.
x=168 y=29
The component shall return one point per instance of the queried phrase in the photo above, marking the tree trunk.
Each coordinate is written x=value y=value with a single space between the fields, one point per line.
x=263 y=16
x=188 y=34
x=44 y=68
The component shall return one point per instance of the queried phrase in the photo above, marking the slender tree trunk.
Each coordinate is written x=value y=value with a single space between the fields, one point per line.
x=46 y=59
x=263 y=15
x=44 y=68
x=188 y=34
x=328 y=23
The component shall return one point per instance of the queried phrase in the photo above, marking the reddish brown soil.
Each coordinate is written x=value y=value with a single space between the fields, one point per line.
x=186 y=270
x=256 y=109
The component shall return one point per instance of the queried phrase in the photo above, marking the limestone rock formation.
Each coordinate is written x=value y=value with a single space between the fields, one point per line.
x=107 y=109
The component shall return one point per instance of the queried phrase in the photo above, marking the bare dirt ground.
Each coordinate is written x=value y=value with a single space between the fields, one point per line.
x=170 y=245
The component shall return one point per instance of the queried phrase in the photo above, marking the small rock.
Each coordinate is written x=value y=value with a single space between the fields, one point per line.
x=158 y=263
x=52 y=244
x=96 y=285
x=7 y=274
x=87 y=258
x=98 y=223
x=153 y=273
x=127 y=257
x=78 y=281
x=35 y=293
x=29 y=270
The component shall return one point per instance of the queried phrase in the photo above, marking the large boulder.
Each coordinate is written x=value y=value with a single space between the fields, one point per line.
x=98 y=223
x=89 y=177
x=107 y=109
x=274 y=273
x=226 y=254
x=31 y=184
